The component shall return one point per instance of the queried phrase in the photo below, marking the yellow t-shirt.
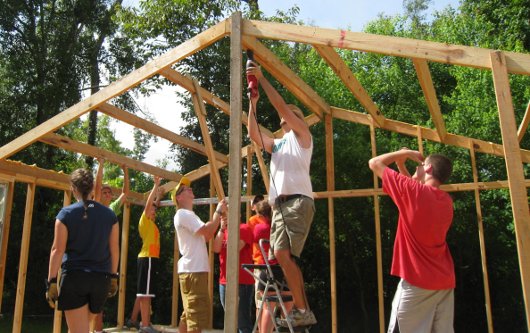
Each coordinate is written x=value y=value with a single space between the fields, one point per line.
x=150 y=238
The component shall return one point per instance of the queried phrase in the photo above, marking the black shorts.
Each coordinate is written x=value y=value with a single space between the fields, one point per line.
x=278 y=277
x=78 y=288
x=147 y=268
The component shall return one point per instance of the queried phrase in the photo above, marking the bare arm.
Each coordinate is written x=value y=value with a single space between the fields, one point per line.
x=152 y=195
x=299 y=126
x=114 y=245
x=209 y=228
x=263 y=140
x=218 y=240
x=58 y=248
x=379 y=163
x=125 y=189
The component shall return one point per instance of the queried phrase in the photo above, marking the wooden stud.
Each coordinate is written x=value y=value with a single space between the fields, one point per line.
x=23 y=261
x=10 y=184
x=262 y=166
x=482 y=242
x=420 y=139
x=330 y=181
x=378 y=246
x=57 y=314
x=514 y=167
x=124 y=253
x=176 y=283
x=248 y=205
x=425 y=79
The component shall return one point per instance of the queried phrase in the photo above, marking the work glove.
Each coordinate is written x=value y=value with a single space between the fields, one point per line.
x=114 y=278
x=52 y=293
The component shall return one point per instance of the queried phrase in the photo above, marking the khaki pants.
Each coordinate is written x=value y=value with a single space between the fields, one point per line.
x=418 y=310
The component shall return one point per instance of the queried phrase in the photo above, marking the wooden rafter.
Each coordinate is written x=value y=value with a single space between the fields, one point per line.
x=86 y=149
x=208 y=97
x=152 y=128
x=524 y=124
x=178 y=53
x=425 y=79
x=200 y=112
x=301 y=90
x=517 y=63
x=348 y=78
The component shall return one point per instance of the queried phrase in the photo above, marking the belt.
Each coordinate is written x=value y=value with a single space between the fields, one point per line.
x=284 y=198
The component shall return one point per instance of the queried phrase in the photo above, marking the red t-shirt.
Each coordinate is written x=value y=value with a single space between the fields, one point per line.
x=245 y=256
x=253 y=222
x=421 y=254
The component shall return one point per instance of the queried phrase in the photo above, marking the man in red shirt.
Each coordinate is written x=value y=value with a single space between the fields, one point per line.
x=424 y=300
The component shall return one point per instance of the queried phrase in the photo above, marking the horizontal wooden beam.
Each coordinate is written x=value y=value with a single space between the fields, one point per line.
x=427 y=133
x=182 y=51
x=517 y=63
x=154 y=129
x=461 y=187
x=86 y=149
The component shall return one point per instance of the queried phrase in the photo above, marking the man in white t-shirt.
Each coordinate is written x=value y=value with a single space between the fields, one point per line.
x=193 y=266
x=290 y=191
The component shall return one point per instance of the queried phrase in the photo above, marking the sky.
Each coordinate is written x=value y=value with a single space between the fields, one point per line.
x=351 y=15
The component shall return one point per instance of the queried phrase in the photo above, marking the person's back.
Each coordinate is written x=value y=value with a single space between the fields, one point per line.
x=421 y=254
x=192 y=246
x=87 y=246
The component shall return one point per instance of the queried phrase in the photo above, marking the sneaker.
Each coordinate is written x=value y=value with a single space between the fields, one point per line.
x=298 y=318
x=132 y=324
x=148 y=329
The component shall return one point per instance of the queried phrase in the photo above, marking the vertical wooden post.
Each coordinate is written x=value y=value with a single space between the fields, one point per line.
x=211 y=254
x=379 y=255
x=330 y=180
x=234 y=175
x=514 y=167
x=5 y=235
x=124 y=252
x=481 y=240
x=58 y=315
x=23 y=263
x=420 y=139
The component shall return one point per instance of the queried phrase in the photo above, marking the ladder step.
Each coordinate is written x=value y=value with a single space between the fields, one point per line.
x=274 y=298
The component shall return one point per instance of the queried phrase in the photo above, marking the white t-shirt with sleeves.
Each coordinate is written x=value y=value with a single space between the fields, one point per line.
x=192 y=247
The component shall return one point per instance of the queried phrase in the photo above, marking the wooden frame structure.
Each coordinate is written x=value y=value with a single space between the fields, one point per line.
x=246 y=34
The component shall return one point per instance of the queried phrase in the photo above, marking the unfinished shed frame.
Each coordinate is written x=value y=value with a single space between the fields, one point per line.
x=246 y=34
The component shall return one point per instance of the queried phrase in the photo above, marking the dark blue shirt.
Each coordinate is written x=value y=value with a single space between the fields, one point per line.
x=87 y=246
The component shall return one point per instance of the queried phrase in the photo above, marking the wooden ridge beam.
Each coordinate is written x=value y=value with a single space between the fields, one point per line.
x=425 y=79
x=517 y=63
x=157 y=130
x=348 y=78
x=301 y=90
x=199 y=42
x=86 y=149
x=427 y=133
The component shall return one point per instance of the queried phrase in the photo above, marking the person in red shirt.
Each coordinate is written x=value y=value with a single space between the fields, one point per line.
x=246 y=281
x=424 y=300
